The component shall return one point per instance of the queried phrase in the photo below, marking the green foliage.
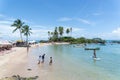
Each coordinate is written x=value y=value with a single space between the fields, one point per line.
x=98 y=40
x=67 y=30
x=84 y=40
x=55 y=35
x=18 y=24
x=67 y=39
x=61 y=30
x=26 y=31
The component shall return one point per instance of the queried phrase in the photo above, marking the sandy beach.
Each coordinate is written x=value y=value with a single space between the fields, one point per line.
x=13 y=62
x=18 y=61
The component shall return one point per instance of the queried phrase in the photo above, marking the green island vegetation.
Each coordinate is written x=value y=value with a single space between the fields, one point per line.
x=57 y=36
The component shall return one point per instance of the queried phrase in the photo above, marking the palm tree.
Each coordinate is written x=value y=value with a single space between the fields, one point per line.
x=55 y=35
x=52 y=34
x=49 y=34
x=61 y=30
x=67 y=31
x=18 y=24
x=26 y=31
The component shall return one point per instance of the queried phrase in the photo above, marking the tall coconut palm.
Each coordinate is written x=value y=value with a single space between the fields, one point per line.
x=18 y=24
x=67 y=31
x=49 y=34
x=52 y=35
x=61 y=30
x=55 y=35
x=26 y=31
x=56 y=32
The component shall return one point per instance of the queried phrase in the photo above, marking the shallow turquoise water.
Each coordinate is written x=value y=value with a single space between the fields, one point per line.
x=75 y=63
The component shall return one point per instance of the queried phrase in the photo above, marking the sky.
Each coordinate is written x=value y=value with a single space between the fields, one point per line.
x=88 y=18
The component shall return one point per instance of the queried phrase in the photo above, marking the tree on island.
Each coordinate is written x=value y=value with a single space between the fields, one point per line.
x=67 y=31
x=55 y=34
x=71 y=31
x=18 y=24
x=61 y=31
x=49 y=34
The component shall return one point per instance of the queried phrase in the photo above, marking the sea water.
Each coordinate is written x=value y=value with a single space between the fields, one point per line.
x=76 y=63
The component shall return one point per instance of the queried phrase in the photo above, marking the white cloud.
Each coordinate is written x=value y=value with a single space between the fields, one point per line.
x=114 y=34
x=84 y=21
x=40 y=32
x=65 y=19
x=78 y=32
x=5 y=22
x=97 y=14
x=116 y=31
x=75 y=29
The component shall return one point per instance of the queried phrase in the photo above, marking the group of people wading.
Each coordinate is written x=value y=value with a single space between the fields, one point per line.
x=43 y=57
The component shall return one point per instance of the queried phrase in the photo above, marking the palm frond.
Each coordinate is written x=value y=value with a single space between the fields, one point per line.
x=14 y=30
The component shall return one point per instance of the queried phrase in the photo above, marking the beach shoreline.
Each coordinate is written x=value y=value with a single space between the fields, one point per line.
x=18 y=61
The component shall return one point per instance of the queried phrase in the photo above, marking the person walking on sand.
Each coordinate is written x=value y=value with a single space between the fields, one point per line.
x=50 y=61
x=43 y=57
x=39 y=59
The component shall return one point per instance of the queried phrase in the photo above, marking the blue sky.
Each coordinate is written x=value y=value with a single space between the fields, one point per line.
x=88 y=18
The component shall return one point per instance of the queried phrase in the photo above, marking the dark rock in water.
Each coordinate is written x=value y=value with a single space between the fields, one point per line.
x=14 y=76
x=29 y=69
x=36 y=76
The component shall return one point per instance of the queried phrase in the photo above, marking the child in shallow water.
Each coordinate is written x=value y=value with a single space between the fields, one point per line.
x=50 y=61
x=39 y=59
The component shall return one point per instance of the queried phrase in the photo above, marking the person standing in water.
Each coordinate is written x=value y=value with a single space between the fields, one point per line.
x=50 y=61
x=43 y=57
x=39 y=59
